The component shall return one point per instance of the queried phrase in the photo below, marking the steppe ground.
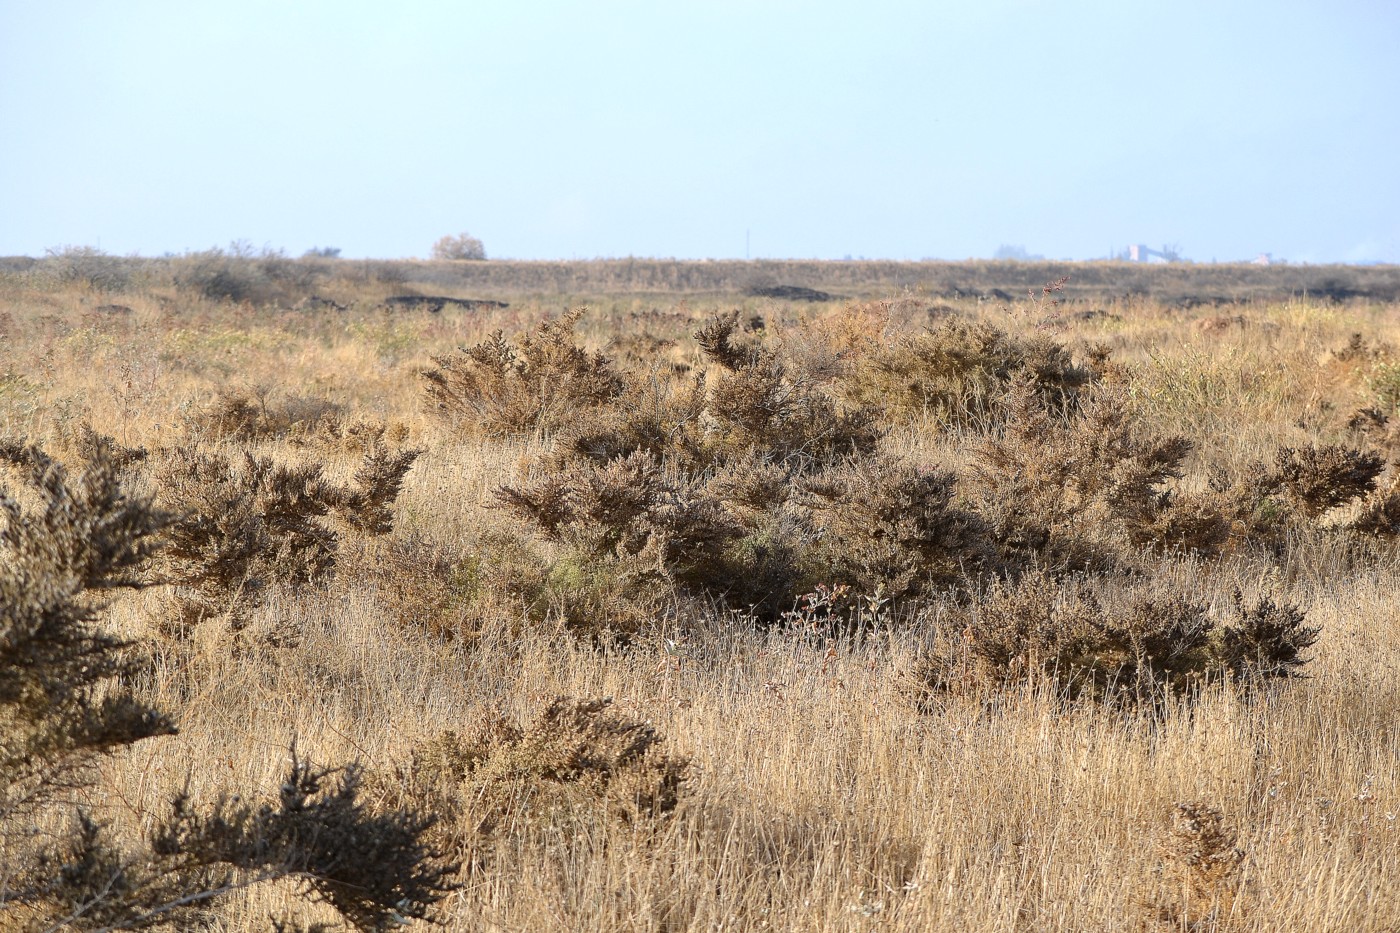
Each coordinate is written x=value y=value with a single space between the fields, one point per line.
x=821 y=794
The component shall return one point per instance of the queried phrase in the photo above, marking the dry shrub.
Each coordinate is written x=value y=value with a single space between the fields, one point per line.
x=1069 y=491
x=498 y=388
x=332 y=433
x=630 y=531
x=239 y=275
x=827 y=348
x=1203 y=867
x=576 y=761
x=716 y=340
x=754 y=485
x=1134 y=644
x=420 y=585
x=250 y=416
x=244 y=525
x=65 y=704
x=651 y=415
x=74 y=541
x=627 y=507
x=957 y=372
x=88 y=266
x=759 y=407
x=681 y=487
x=1379 y=515
x=366 y=506
x=81 y=443
x=641 y=348
x=1265 y=640
x=1359 y=350
x=1275 y=505
x=754 y=409
x=1318 y=479
x=891 y=527
x=1376 y=427
x=759 y=403
x=449 y=593
x=691 y=487
x=375 y=868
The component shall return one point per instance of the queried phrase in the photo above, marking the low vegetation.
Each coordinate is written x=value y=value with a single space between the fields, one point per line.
x=746 y=613
x=67 y=704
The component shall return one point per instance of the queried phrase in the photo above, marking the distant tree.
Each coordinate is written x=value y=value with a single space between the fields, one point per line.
x=322 y=252
x=461 y=246
x=89 y=266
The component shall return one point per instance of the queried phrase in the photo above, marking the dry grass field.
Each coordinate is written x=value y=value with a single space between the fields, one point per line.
x=692 y=611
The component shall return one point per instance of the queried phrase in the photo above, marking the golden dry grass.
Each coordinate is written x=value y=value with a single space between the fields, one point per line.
x=821 y=797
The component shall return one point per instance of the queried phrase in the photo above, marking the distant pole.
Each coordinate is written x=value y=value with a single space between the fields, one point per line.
x=746 y=246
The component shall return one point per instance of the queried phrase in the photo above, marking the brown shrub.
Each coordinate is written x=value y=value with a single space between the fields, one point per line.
x=85 y=445
x=759 y=407
x=448 y=592
x=73 y=541
x=1140 y=643
x=1379 y=516
x=250 y=416
x=1264 y=640
x=420 y=585
x=332 y=433
x=66 y=703
x=652 y=415
x=753 y=486
x=1203 y=866
x=1359 y=350
x=576 y=761
x=245 y=525
x=957 y=372
x=716 y=340
x=498 y=388
x=1317 y=479
x=1067 y=491
x=627 y=526
x=893 y=528
x=367 y=504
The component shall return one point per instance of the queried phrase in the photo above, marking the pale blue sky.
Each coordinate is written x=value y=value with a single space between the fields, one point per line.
x=560 y=130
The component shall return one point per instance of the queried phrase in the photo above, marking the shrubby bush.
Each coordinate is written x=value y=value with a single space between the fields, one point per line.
x=88 y=266
x=499 y=388
x=576 y=762
x=958 y=373
x=1105 y=641
x=246 y=523
x=66 y=702
x=238 y=274
x=461 y=246
x=763 y=479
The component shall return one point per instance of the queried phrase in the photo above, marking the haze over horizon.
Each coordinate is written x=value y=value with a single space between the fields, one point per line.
x=787 y=130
